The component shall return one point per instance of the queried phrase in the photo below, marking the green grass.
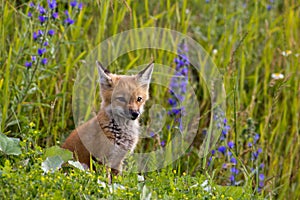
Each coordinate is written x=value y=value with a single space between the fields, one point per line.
x=249 y=40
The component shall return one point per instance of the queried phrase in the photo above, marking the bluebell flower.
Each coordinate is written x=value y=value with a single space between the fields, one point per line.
x=33 y=58
x=51 y=32
x=44 y=61
x=67 y=13
x=52 y=4
x=28 y=64
x=35 y=36
x=232 y=178
x=41 y=51
x=55 y=15
x=259 y=150
x=262 y=165
x=261 y=185
x=222 y=138
x=233 y=160
x=40 y=33
x=249 y=144
x=222 y=149
x=42 y=10
x=42 y=19
x=269 y=7
x=209 y=161
x=152 y=134
x=69 y=21
x=80 y=5
x=172 y=101
x=230 y=144
x=261 y=177
x=229 y=153
x=31 y=5
x=46 y=43
x=224 y=166
x=213 y=152
x=29 y=14
x=163 y=143
x=234 y=170
x=256 y=138
x=256 y=154
x=73 y=3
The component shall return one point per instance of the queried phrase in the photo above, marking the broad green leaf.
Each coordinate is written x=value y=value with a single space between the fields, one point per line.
x=76 y=164
x=9 y=146
x=58 y=151
x=52 y=164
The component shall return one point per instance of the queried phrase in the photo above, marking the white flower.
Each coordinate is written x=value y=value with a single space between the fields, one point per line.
x=286 y=53
x=140 y=178
x=215 y=51
x=277 y=76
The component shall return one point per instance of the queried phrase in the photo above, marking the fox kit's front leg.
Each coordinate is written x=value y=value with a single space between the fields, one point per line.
x=114 y=132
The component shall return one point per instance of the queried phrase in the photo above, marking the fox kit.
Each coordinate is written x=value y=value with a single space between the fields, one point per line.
x=114 y=132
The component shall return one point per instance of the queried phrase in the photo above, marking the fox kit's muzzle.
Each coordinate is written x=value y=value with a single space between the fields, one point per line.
x=134 y=114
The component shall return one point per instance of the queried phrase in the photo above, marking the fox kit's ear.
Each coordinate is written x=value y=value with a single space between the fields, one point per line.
x=105 y=79
x=144 y=76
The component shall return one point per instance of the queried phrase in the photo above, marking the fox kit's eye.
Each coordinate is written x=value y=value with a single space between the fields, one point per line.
x=139 y=99
x=122 y=99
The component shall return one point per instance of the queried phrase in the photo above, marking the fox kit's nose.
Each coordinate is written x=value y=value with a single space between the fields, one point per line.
x=134 y=114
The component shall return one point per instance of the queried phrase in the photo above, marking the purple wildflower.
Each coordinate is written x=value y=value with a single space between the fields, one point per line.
x=232 y=179
x=152 y=134
x=40 y=33
x=222 y=149
x=213 y=152
x=172 y=101
x=44 y=61
x=69 y=21
x=42 y=19
x=46 y=43
x=41 y=51
x=234 y=170
x=256 y=138
x=233 y=160
x=31 y=5
x=29 y=14
x=35 y=36
x=249 y=144
x=42 y=10
x=80 y=5
x=55 y=15
x=261 y=177
x=52 y=4
x=73 y=3
x=51 y=32
x=163 y=143
x=33 y=58
x=230 y=144
x=28 y=64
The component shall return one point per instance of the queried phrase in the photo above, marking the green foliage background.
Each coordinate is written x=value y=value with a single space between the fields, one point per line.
x=249 y=39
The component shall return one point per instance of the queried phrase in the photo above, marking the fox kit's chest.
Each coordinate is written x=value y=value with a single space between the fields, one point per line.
x=125 y=135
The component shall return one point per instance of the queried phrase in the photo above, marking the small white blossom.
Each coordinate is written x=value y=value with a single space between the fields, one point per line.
x=286 y=53
x=277 y=76
x=215 y=51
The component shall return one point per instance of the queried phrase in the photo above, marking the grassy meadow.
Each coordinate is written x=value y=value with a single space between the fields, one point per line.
x=254 y=44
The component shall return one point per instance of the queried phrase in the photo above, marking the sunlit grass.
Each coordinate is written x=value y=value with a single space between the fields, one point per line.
x=254 y=44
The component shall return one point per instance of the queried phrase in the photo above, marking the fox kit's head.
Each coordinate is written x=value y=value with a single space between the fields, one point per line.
x=122 y=95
